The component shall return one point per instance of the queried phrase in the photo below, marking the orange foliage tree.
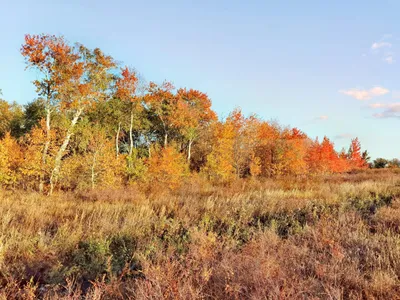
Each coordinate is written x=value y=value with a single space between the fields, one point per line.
x=244 y=141
x=322 y=158
x=167 y=167
x=193 y=113
x=46 y=53
x=75 y=77
x=268 y=137
x=293 y=156
x=355 y=156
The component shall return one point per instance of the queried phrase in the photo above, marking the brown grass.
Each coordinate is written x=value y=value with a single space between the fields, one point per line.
x=333 y=237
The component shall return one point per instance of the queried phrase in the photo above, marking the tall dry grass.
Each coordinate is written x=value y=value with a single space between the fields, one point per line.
x=333 y=237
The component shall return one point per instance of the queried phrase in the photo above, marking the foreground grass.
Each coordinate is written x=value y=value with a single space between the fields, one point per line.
x=330 y=238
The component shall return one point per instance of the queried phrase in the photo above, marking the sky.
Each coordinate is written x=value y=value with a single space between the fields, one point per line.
x=327 y=67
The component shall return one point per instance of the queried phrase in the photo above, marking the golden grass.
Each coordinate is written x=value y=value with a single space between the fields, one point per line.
x=333 y=237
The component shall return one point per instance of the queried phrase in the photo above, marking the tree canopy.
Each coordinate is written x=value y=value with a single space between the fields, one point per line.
x=94 y=124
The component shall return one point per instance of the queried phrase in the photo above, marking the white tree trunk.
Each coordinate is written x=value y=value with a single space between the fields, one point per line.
x=93 y=168
x=165 y=139
x=57 y=164
x=117 y=139
x=131 y=134
x=189 y=150
x=45 y=148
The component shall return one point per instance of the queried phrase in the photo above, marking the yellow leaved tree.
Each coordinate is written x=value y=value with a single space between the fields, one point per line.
x=220 y=162
x=96 y=167
x=10 y=161
x=33 y=170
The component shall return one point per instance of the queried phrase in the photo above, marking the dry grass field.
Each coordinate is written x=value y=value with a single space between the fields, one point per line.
x=334 y=237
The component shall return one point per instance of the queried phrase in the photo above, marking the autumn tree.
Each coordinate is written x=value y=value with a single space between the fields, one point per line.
x=236 y=147
x=355 y=156
x=111 y=116
x=105 y=168
x=74 y=77
x=32 y=168
x=313 y=157
x=48 y=55
x=268 y=138
x=10 y=160
x=162 y=103
x=343 y=162
x=167 y=167
x=220 y=162
x=96 y=166
x=322 y=158
x=126 y=91
x=192 y=115
x=202 y=147
x=244 y=140
x=11 y=118
x=294 y=152
x=328 y=157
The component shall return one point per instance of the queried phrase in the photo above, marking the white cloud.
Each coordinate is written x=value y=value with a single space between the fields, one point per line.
x=323 y=117
x=378 y=91
x=390 y=110
x=365 y=94
x=378 y=45
x=355 y=93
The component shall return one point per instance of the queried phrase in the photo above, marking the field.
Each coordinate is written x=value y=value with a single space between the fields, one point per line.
x=330 y=237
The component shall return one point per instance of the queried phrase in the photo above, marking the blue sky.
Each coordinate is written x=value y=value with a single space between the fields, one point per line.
x=327 y=68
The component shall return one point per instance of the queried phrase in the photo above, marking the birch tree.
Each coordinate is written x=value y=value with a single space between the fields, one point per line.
x=74 y=78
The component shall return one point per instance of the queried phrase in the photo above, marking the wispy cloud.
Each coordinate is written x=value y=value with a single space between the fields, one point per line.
x=360 y=94
x=389 y=57
x=390 y=110
x=377 y=105
x=384 y=45
x=320 y=118
x=378 y=45
x=344 y=136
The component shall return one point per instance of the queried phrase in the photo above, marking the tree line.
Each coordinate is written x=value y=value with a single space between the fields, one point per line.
x=381 y=163
x=97 y=124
